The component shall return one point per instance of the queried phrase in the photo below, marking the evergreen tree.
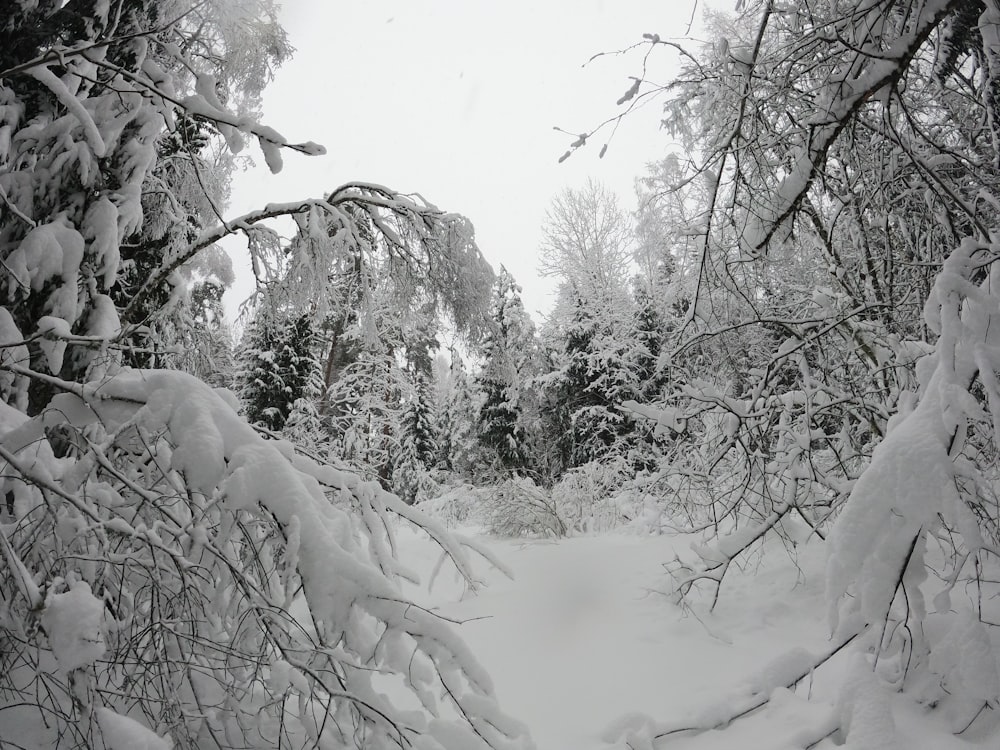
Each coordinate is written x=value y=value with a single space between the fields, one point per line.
x=418 y=445
x=508 y=355
x=418 y=448
x=420 y=430
x=589 y=245
x=279 y=369
x=593 y=376
x=649 y=343
x=457 y=443
x=596 y=358
x=500 y=428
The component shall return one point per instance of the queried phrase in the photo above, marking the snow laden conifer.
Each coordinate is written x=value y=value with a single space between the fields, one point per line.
x=457 y=436
x=279 y=368
x=507 y=351
x=596 y=350
x=171 y=575
x=418 y=449
x=594 y=384
x=418 y=432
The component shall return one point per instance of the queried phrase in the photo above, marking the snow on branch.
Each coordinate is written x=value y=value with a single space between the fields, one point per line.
x=921 y=481
x=863 y=75
x=372 y=198
x=784 y=672
x=218 y=502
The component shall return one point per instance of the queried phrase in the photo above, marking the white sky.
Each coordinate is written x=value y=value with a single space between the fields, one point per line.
x=456 y=100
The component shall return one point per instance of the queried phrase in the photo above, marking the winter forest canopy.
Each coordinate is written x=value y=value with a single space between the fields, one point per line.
x=789 y=352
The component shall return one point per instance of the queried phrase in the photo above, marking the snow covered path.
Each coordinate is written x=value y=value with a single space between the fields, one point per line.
x=584 y=634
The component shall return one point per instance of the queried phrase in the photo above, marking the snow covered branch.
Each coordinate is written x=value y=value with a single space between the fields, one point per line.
x=216 y=496
x=862 y=76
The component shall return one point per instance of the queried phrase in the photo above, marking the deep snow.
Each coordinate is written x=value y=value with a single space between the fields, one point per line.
x=586 y=634
x=585 y=640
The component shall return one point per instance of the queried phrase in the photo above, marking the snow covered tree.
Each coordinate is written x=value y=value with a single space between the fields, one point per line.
x=828 y=178
x=278 y=368
x=457 y=442
x=835 y=362
x=650 y=341
x=194 y=335
x=508 y=352
x=417 y=444
x=598 y=357
x=418 y=449
x=363 y=409
x=594 y=378
x=380 y=268
x=587 y=241
x=152 y=542
x=501 y=431
x=379 y=277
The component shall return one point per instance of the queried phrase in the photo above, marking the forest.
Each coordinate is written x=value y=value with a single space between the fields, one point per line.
x=786 y=359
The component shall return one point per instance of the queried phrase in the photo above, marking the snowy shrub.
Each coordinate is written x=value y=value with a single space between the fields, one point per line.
x=592 y=498
x=631 y=509
x=453 y=506
x=519 y=507
x=595 y=496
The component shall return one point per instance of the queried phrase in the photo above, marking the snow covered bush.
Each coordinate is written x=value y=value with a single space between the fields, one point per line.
x=454 y=505
x=519 y=507
x=170 y=575
x=595 y=495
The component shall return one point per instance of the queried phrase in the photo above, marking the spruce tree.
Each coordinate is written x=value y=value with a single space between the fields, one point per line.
x=457 y=441
x=594 y=372
x=279 y=368
x=417 y=445
x=649 y=344
x=508 y=352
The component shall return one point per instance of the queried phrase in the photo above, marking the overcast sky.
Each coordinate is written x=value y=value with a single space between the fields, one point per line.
x=456 y=100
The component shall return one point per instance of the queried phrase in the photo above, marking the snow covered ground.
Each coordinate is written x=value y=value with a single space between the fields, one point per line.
x=585 y=635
